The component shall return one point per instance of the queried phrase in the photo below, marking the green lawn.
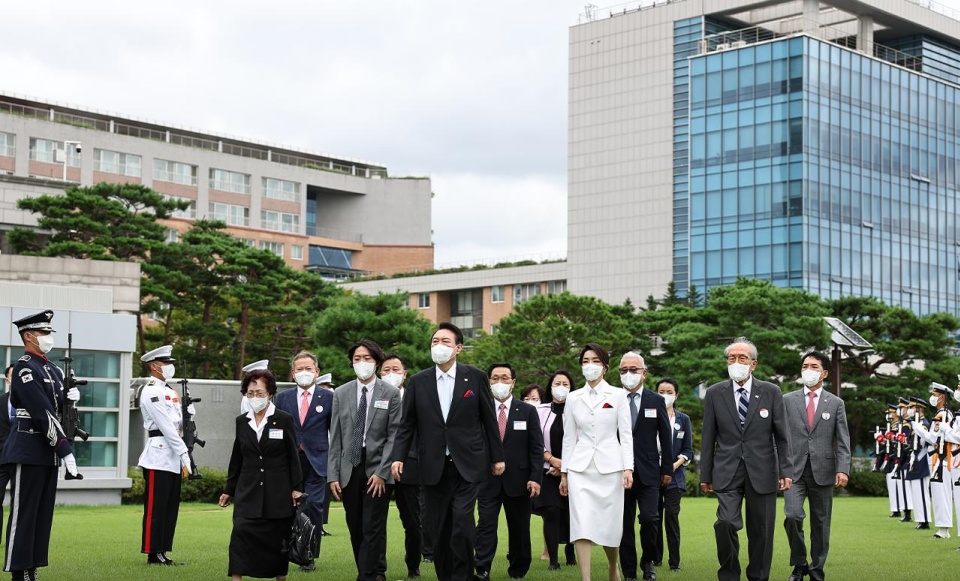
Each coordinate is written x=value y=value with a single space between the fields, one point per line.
x=102 y=543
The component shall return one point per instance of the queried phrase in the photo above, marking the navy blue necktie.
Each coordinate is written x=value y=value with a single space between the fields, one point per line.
x=742 y=404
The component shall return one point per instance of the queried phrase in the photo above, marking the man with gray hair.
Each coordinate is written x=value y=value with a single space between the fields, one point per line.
x=745 y=455
x=652 y=468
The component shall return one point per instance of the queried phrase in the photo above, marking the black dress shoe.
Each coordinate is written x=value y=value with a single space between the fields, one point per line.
x=906 y=516
x=895 y=514
x=650 y=576
x=675 y=569
x=325 y=533
x=379 y=577
x=428 y=559
x=159 y=559
x=555 y=566
x=922 y=526
x=413 y=573
x=798 y=572
x=481 y=576
x=311 y=566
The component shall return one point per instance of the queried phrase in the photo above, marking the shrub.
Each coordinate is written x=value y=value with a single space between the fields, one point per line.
x=207 y=489
x=865 y=482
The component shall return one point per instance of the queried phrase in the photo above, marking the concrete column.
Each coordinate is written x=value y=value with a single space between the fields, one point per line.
x=865 y=34
x=811 y=16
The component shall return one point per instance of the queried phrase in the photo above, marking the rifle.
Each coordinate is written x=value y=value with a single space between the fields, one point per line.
x=896 y=464
x=72 y=426
x=888 y=435
x=190 y=429
x=880 y=458
x=915 y=447
x=941 y=457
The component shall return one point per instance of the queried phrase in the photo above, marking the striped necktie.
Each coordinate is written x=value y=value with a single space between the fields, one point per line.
x=742 y=404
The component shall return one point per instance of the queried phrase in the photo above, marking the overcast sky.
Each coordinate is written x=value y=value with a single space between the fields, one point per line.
x=472 y=94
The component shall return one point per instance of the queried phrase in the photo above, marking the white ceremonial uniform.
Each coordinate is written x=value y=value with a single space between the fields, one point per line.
x=953 y=442
x=941 y=495
x=160 y=407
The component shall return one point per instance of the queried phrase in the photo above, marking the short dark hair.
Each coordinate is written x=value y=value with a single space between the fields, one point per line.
x=390 y=356
x=549 y=389
x=375 y=351
x=513 y=372
x=457 y=333
x=7 y=370
x=600 y=351
x=264 y=374
x=823 y=359
x=531 y=388
x=671 y=381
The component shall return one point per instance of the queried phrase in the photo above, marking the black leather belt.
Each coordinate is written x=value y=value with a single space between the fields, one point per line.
x=155 y=434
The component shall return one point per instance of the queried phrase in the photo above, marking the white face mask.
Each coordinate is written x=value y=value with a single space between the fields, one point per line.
x=934 y=400
x=168 y=371
x=630 y=380
x=304 y=378
x=738 y=371
x=810 y=377
x=669 y=399
x=364 y=370
x=560 y=392
x=592 y=371
x=45 y=343
x=441 y=353
x=501 y=390
x=394 y=379
x=257 y=404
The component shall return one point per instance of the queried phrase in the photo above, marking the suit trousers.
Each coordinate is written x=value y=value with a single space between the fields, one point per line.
x=761 y=514
x=669 y=510
x=518 y=510
x=646 y=498
x=407 y=497
x=161 y=506
x=448 y=523
x=33 y=493
x=314 y=486
x=820 y=499
x=366 y=518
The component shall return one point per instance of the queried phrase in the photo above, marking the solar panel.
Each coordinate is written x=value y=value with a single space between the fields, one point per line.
x=844 y=335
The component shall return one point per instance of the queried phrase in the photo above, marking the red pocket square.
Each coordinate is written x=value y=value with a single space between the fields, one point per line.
x=607 y=406
x=469 y=393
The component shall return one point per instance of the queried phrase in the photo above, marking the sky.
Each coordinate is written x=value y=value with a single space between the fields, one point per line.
x=472 y=94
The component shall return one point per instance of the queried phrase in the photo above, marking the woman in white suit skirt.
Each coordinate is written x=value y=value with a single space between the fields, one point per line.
x=596 y=467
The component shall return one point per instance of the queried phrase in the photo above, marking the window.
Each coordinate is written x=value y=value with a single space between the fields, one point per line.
x=423 y=300
x=45 y=151
x=249 y=242
x=274 y=247
x=280 y=221
x=174 y=172
x=190 y=213
x=496 y=294
x=8 y=144
x=329 y=257
x=555 y=287
x=124 y=164
x=173 y=235
x=229 y=181
x=523 y=292
x=281 y=190
x=494 y=329
x=296 y=252
x=231 y=214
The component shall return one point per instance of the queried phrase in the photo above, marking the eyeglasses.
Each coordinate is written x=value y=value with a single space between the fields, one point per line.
x=257 y=394
x=738 y=359
x=532 y=399
x=632 y=370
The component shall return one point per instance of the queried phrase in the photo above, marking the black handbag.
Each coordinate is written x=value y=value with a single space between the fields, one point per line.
x=302 y=546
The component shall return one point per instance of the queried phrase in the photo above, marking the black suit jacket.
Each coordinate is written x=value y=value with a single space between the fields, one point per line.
x=411 y=466
x=522 y=451
x=470 y=431
x=262 y=474
x=4 y=418
x=652 y=424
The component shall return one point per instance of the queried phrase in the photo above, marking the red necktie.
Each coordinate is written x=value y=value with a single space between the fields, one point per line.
x=304 y=406
x=811 y=408
x=502 y=420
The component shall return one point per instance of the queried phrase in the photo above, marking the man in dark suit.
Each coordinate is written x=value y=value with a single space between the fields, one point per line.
x=366 y=414
x=820 y=448
x=519 y=431
x=448 y=407
x=310 y=407
x=652 y=468
x=745 y=454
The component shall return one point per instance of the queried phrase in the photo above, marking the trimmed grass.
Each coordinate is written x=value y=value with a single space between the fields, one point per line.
x=102 y=543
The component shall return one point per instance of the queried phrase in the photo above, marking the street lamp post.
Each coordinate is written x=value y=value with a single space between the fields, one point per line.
x=843 y=336
x=66 y=144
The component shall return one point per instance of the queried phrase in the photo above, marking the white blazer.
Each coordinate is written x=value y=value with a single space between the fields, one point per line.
x=590 y=430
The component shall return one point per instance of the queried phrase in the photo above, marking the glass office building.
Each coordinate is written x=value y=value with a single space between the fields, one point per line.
x=804 y=162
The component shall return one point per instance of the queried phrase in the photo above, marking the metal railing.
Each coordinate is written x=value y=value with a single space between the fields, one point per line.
x=275 y=194
x=174 y=177
x=117 y=168
x=189 y=141
x=226 y=186
x=8 y=151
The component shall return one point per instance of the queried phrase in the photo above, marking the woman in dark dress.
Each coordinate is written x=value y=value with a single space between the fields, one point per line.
x=264 y=482
x=554 y=509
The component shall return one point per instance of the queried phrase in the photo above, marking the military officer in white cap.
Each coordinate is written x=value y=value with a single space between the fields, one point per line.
x=164 y=460
x=35 y=448
x=941 y=486
x=256 y=365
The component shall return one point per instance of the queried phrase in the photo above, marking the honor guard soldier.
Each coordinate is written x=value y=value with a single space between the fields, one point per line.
x=941 y=480
x=165 y=459
x=899 y=496
x=917 y=476
x=35 y=448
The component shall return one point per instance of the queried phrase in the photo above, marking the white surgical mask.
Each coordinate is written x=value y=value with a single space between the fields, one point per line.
x=441 y=353
x=669 y=398
x=630 y=380
x=304 y=378
x=501 y=390
x=810 y=377
x=364 y=370
x=560 y=392
x=738 y=371
x=45 y=343
x=394 y=379
x=592 y=371
x=934 y=400
x=168 y=371
x=258 y=403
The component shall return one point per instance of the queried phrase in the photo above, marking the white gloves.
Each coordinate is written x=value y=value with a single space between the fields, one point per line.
x=71 y=463
x=185 y=461
x=918 y=427
x=73 y=394
x=192 y=410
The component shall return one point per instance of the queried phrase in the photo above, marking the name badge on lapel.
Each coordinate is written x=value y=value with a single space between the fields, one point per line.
x=680 y=435
x=275 y=434
x=649 y=412
x=518 y=425
x=381 y=404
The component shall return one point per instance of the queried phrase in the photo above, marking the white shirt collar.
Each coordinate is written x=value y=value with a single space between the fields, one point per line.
x=747 y=385
x=807 y=390
x=308 y=390
x=507 y=402
x=452 y=373
x=368 y=385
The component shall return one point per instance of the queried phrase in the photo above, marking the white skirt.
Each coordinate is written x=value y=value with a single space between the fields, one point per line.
x=596 y=506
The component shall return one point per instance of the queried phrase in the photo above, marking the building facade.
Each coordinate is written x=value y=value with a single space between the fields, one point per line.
x=330 y=214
